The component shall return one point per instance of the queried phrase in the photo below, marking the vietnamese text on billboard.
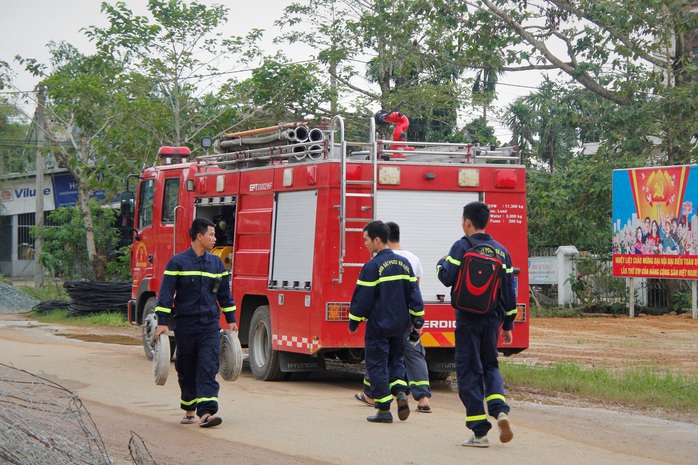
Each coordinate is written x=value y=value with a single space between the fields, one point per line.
x=655 y=227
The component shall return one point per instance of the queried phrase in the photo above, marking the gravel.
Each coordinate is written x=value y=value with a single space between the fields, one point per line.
x=13 y=300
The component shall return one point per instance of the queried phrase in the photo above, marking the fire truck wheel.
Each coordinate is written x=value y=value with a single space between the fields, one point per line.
x=148 y=327
x=149 y=324
x=264 y=361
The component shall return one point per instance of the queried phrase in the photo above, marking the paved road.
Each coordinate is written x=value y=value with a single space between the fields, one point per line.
x=318 y=421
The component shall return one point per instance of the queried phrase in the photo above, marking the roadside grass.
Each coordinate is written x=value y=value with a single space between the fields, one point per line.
x=643 y=387
x=60 y=316
x=49 y=291
x=555 y=312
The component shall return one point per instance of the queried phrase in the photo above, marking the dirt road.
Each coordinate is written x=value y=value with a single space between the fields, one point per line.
x=318 y=422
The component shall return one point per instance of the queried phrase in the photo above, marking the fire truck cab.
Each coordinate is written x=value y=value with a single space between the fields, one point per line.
x=289 y=218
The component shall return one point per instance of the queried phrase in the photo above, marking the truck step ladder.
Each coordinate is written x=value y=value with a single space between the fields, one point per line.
x=353 y=225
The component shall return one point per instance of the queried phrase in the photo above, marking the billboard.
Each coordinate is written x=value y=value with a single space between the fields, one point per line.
x=655 y=227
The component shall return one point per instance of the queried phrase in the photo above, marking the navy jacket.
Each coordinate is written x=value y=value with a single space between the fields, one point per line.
x=447 y=272
x=386 y=296
x=188 y=286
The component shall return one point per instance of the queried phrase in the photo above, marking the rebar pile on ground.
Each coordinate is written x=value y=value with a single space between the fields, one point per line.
x=96 y=297
x=42 y=422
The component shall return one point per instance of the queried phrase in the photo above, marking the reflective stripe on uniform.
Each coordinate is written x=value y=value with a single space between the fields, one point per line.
x=163 y=309
x=397 y=382
x=196 y=401
x=412 y=312
x=386 y=279
x=196 y=273
x=495 y=396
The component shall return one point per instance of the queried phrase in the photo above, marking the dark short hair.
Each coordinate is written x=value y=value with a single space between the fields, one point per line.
x=199 y=226
x=394 y=229
x=478 y=213
x=377 y=229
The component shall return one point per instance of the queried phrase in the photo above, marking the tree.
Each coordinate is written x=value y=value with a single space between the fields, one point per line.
x=179 y=54
x=636 y=55
x=85 y=99
x=282 y=91
x=138 y=92
x=387 y=52
x=571 y=205
x=480 y=133
x=13 y=135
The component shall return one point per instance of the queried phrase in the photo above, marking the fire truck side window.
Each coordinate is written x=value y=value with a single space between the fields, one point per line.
x=169 y=199
x=146 y=203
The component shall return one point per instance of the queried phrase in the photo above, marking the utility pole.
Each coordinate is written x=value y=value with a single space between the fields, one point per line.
x=40 y=122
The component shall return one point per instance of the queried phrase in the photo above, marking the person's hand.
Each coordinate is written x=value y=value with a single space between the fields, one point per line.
x=233 y=326
x=352 y=331
x=507 y=337
x=162 y=329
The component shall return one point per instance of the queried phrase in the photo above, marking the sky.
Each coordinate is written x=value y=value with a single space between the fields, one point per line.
x=27 y=26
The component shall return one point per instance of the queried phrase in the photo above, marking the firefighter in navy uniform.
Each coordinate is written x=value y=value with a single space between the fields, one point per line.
x=193 y=285
x=387 y=297
x=477 y=369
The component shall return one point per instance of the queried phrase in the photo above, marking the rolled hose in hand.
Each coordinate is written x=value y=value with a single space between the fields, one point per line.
x=161 y=360
x=231 y=356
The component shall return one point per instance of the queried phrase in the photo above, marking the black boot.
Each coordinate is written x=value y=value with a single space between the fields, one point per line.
x=381 y=416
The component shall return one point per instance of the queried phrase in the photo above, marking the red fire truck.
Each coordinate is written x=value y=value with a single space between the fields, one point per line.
x=289 y=219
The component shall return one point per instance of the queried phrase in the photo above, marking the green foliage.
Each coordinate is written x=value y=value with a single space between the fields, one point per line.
x=51 y=290
x=571 y=206
x=282 y=91
x=5 y=280
x=13 y=133
x=64 y=252
x=120 y=266
x=170 y=56
x=554 y=312
x=417 y=55
x=481 y=133
x=60 y=316
x=635 y=57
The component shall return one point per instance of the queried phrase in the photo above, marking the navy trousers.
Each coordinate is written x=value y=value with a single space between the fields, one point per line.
x=477 y=370
x=416 y=368
x=198 y=351
x=385 y=367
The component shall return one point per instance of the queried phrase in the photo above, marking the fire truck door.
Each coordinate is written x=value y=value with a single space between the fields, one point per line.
x=292 y=255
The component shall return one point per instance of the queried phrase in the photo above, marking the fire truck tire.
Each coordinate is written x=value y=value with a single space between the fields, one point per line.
x=264 y=360
x=149 y=324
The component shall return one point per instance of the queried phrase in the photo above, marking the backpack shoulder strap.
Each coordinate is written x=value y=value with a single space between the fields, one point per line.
x=471 y=241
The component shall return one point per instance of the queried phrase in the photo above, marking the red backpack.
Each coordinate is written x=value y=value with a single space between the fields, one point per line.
x=479 y=276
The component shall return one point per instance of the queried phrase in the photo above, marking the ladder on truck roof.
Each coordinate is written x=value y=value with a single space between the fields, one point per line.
x=352 y=225
x=313 y=151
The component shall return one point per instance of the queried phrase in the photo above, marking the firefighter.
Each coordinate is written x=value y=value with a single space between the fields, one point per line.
x=193 y=285
x=415 y=362
x=477 y=369
x=388 y=299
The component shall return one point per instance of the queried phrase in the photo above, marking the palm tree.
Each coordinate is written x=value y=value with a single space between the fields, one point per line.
x=484 y=87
